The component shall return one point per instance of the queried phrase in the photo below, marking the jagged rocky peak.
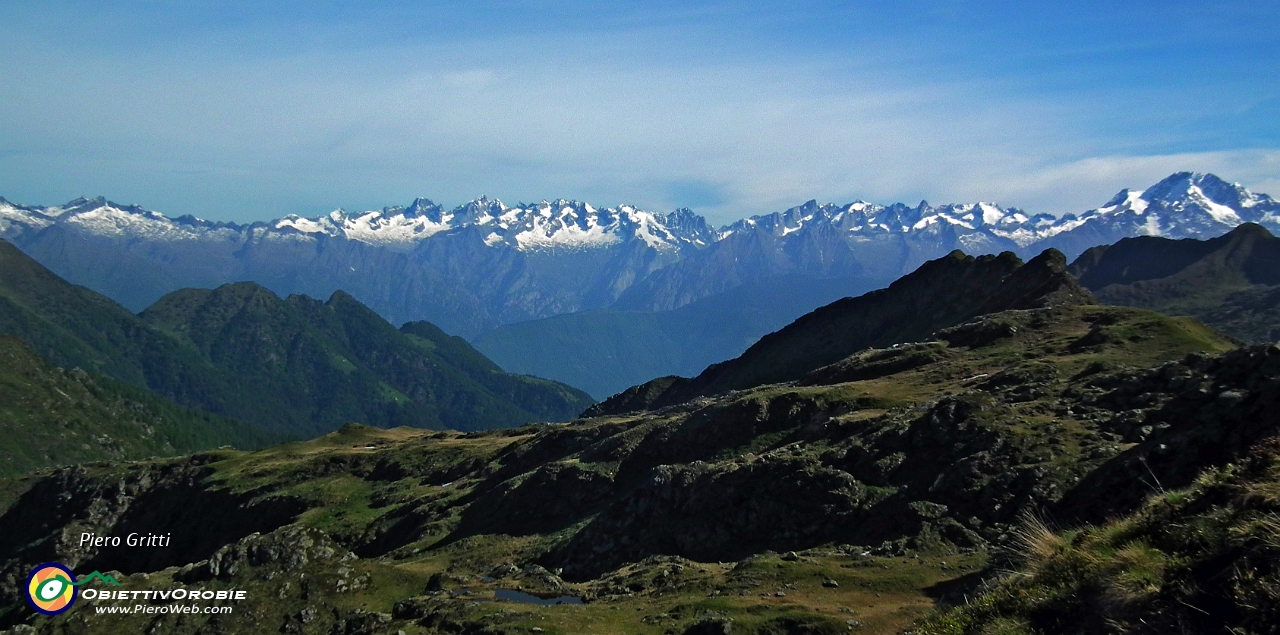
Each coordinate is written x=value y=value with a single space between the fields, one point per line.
x=480 y=211
x=685 y=223
x=558 y=224
x=423 y=207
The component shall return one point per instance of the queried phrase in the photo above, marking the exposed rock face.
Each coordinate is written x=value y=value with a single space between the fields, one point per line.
x=722 y=512
x=289 y=549
x=151 y=499
x=549 y=498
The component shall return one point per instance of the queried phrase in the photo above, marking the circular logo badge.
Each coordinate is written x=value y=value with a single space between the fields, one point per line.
x=51 y=588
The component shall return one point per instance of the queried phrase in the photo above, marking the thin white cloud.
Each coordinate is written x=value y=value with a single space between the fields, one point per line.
x=524 y=119
x=1075 y=186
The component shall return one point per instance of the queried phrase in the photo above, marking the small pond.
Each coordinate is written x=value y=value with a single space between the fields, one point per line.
x=517 y=596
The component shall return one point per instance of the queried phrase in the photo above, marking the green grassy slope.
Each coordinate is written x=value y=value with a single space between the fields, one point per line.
x=892 y=475
x=338 y=361
x=50 y=417
x=297 y=366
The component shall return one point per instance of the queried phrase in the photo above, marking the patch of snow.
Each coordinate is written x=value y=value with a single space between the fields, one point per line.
x=304 y=225
x=990 y=213
x=1151 y=227
x=112 y=221
x=1219 y=212
x=376 y=229
x=567 y=236
x=1063 y=227
x=645 y=225
x=1021 y=236
x=11 y=215
x=1138 y=205
x=925 y=222
x=957 y=222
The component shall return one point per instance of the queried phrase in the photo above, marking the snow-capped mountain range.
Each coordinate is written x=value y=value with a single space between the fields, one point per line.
x=549 y=225
x=483 y=263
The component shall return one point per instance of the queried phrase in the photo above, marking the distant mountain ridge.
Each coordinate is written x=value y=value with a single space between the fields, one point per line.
x=296 y=366
x=1231 y=282
x=485 y=264
x=606 y=352
x=477 y=266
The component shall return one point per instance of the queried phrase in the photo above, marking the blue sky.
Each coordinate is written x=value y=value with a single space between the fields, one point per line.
x=247 y=111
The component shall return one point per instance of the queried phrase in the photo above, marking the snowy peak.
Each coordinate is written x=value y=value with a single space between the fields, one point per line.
x=1185 y=204
x=973 y=224
x=563 y=224
x=549 y=225
x=17 y=220
x=1206 y=192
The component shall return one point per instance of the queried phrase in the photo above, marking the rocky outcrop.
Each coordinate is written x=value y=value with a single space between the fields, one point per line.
x=288 y=549
x=721 y=512
x=1183 y=416
x=47 y=522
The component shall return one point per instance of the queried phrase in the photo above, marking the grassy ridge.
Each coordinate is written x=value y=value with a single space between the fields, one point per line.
x=338 y=361
x=941 y=293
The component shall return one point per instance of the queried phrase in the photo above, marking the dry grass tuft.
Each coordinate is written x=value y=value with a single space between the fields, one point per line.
x=1036 y=542
x=1271 y=530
